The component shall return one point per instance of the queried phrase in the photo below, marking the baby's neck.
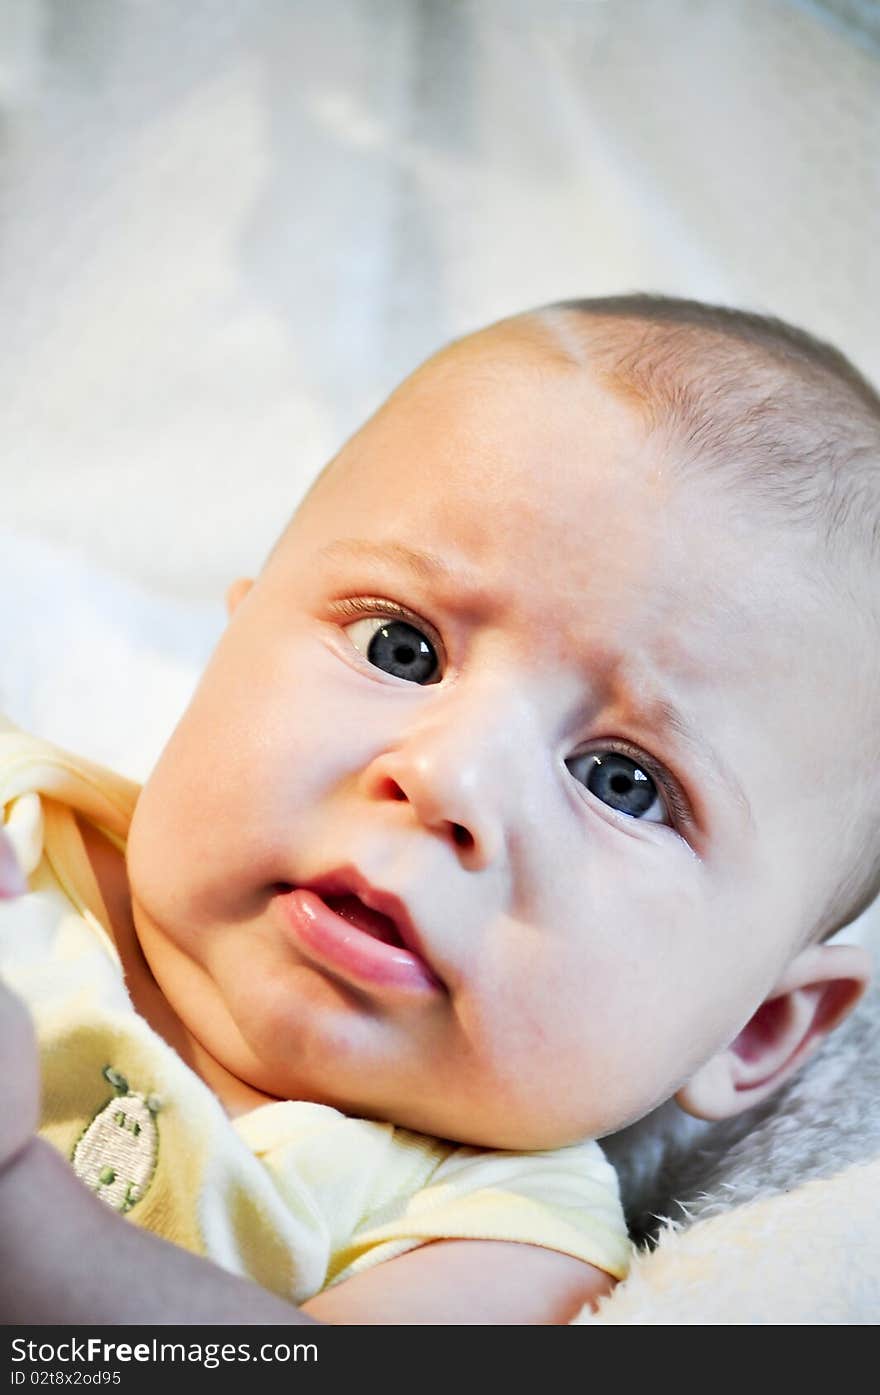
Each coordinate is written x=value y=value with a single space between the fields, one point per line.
x=148 y=1000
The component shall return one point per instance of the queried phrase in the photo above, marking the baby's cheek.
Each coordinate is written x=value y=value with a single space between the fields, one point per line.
x=143 y=846
x=167 y=854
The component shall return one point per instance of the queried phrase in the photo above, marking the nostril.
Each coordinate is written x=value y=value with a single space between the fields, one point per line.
x=386 y=788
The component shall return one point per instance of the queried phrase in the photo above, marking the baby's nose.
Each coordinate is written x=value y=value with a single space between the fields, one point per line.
x=459 y=770
x=441 y=799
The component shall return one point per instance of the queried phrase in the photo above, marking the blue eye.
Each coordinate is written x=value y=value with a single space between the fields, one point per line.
x=620 y=782
x=398 y=648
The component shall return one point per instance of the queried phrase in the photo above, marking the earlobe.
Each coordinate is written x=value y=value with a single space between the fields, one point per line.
x=236 y=593
x=817 y=990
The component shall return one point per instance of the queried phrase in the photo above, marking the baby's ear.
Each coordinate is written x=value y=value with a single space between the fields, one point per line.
x=817 y=990
x=237 y=592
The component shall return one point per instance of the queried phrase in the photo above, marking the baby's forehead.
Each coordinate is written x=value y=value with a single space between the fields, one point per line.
x=503 y=354
x=514 y=377
x=516 y=422
x=505 y=439
x=526 y=412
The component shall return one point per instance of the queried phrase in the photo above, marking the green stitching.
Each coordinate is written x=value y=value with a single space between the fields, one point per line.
x=132 y=1195
x=116 y=1079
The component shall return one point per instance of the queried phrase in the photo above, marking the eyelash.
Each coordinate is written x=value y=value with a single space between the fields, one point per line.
x=375 y=609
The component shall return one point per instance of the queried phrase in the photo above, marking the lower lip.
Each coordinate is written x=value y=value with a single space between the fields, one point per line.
x=351 y=952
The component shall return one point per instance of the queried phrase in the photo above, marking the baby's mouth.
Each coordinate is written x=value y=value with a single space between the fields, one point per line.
x=374 y=923
x=378 y=951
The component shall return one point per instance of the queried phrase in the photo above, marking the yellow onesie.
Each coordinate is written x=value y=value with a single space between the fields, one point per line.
x=294 y=1195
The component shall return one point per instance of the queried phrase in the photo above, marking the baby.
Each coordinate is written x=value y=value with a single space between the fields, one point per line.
x=521 y=794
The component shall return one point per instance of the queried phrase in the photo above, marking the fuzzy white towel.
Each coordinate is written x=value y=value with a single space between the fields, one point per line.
x=807 y=1256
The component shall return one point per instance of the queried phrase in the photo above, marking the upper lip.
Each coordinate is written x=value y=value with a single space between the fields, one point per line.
x=348 y=881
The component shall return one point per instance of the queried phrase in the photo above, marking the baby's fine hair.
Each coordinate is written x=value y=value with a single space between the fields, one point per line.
x=750 y=398
x=782 y=419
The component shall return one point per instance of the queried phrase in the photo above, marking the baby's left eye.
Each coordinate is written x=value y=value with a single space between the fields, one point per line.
x=621 y=783
x=396 y=647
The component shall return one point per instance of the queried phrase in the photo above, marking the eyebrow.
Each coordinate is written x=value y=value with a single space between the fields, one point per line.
x=660 y=711
x=426 y=565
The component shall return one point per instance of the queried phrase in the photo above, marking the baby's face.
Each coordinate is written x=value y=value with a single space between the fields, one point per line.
x=457 y=675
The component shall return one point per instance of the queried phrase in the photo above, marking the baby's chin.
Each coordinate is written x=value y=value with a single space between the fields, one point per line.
x=481 y=1129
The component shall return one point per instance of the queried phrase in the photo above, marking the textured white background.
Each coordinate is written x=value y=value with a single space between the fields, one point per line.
x=228 y=227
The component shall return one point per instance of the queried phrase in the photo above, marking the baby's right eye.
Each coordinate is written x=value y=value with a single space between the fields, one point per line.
x=395 y=646
x=620 y=781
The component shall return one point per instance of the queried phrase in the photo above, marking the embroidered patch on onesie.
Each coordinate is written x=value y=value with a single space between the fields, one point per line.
x=117 y=1153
